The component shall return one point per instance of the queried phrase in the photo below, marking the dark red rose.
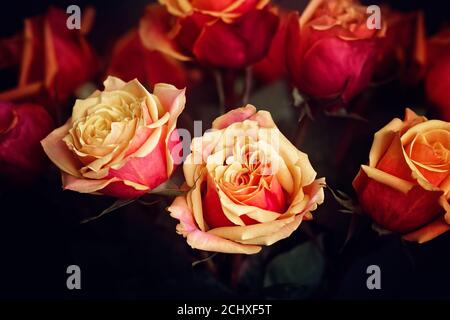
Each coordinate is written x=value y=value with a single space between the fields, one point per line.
x=437 y=81
x=131 y=60
x=22 y=127
x=273 y=66
x=402 y=52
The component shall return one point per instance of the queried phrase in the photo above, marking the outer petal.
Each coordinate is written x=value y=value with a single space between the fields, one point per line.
x=154 y=31
x=149 y=170
x=59 y=153
x=242 y=233
x=283 y=233
x=395 y=204
x=428 y=232
x=112 y=187
x=173 y=101
x=202 y=240
x=233 y=116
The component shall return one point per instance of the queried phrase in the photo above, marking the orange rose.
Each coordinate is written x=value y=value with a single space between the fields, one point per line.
x=406 y=186
x=120 y=141
x=249 y=186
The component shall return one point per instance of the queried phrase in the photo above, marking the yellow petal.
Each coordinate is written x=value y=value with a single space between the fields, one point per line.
x=241 y=233
x=387 y=179
x=57 y=150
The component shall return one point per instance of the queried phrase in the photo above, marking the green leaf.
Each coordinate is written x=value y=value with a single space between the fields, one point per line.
x=345 y=200
x=301 y=268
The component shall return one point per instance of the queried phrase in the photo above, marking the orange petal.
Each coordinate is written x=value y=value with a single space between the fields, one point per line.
x=429 y=232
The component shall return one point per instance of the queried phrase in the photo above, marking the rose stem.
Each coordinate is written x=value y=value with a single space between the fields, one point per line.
x=220 y=90
x=247 y=85
x=302 y=125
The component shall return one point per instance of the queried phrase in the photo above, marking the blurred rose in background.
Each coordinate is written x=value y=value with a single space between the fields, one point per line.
x=22 y=126
x=52 y=61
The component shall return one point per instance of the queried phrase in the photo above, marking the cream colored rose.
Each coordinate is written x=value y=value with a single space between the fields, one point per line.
x=249 y=186
x=118 y=141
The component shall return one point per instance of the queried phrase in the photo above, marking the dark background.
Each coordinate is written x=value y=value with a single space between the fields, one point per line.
x=135 y=253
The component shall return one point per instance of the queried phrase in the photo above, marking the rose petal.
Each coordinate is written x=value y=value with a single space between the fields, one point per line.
x=202 y=240
x=233 y=116
x=428 y=232
x=57 y=150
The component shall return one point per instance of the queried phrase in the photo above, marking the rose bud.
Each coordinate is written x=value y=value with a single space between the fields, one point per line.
x=330 y=50
x=130 y=59
x=22 y=126
x=54 y=61
x=402 y=52
x=273 y=66
x=437 y=81
x=121 y=141
x=249 y=186
x=405 y=186
x=225 y=38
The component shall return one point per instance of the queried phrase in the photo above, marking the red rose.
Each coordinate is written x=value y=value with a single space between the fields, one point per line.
x=54 y=60
x=210 y=38
x=273 y=66
x=437 y=81
x=331 y=52
x=130 y=59
x=21 y=128
x=405 y=188
x=402 y=52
